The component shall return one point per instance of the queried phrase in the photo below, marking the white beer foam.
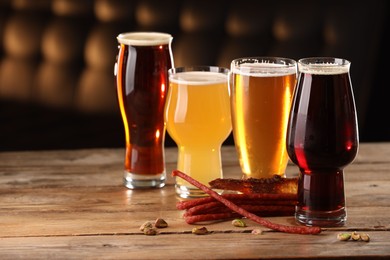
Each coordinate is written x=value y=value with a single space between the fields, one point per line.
x=264 y=69
x=144 y=38
x=198 y=78
x=323 y=68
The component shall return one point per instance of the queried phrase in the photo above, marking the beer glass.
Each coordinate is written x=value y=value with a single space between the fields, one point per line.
x=322 y=139
x=197 y=117
x=261 y=95
x=142 y=82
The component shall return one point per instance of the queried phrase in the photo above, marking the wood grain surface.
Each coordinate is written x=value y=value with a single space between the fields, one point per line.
x=71 y=204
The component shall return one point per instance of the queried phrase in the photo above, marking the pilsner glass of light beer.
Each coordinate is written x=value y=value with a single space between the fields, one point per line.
x=261 y=96
x=142 y=82
x=197 y=117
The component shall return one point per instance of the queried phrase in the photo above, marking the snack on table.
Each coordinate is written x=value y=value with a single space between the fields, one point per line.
x=241 y=211
x=264 y=197
x=274 y=185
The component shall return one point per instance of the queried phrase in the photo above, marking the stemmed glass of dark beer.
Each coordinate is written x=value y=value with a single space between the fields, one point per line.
x=322 y=139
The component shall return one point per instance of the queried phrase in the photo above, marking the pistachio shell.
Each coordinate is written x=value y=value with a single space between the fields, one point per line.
x=355 y=236
x=257 y=231
x=343 y=236
x=200 y=231
x=147 y=224
x=160 y=223
x=238 y=223
x=150 y=231
x=364 y=237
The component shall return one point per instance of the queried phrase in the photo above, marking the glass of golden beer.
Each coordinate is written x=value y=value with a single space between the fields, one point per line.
x=197 y=117
x=142 y=81
x=261 y=97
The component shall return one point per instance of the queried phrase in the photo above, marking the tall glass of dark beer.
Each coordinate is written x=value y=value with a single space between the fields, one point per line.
x=322 y=139
x=142 y=83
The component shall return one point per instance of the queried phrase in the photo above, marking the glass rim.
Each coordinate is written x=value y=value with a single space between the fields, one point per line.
x=322 y=61
x=200 y=68
x=264 y=66
x=144 y=38
x=198 y=75
x=323 y=65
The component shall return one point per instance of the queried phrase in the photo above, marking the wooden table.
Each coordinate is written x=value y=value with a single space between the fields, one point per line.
x=71 y=204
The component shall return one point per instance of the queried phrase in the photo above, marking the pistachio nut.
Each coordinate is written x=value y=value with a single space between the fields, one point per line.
x=364 y=237
x=238 y=223
x=343 y=236
x=150 y=231
x=257 y=231
x=200 y=231
x=160 y=223
x=147 y=224
x=355 y=236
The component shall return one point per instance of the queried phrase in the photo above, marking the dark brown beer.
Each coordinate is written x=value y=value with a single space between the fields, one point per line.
x=142 y=84
x=322 y=139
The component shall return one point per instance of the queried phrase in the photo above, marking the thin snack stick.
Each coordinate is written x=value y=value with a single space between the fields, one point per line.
x=182 y=205
x=243 y=212
x=210 y=217
x=220 y=208
x=204 y=208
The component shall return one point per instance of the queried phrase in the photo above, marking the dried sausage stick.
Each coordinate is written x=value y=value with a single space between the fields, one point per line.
x=227 y=215
x=210 y=217
x=257 y=198
x=243 y=212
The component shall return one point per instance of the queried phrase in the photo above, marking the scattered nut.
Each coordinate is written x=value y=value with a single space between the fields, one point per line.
x=200 y=231
x=160 y=223
x=257 y=231
x=343 y=236
x=364 y=237
x=145 y=225
x=355 y=236
x=150 y=231
x=238 y=223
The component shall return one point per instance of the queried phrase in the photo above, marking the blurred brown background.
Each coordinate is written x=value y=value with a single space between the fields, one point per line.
x=57 y=88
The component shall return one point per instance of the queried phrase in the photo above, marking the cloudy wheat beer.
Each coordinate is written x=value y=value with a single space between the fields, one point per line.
x=261 y=95
x=198 y=119
x=142 y=82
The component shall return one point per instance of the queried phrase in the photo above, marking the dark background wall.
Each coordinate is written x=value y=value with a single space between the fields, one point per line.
x=57 y=88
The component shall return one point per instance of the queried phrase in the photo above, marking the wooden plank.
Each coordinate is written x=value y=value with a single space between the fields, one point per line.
x=114 y=209
x=72 y=204
x=189 y=246
x=70 y=223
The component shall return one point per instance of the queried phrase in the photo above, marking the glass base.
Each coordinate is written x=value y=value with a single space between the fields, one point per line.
x=187 y=192
x=335 y=218
x=137 y=181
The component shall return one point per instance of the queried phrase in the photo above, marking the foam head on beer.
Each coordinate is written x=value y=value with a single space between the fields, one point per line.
x=198 y=78
x=144 y=38
x=321 y=67
x=263 y=69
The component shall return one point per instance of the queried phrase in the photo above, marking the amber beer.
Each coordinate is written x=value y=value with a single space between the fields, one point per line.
x=262 y=90
x=142 y=83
